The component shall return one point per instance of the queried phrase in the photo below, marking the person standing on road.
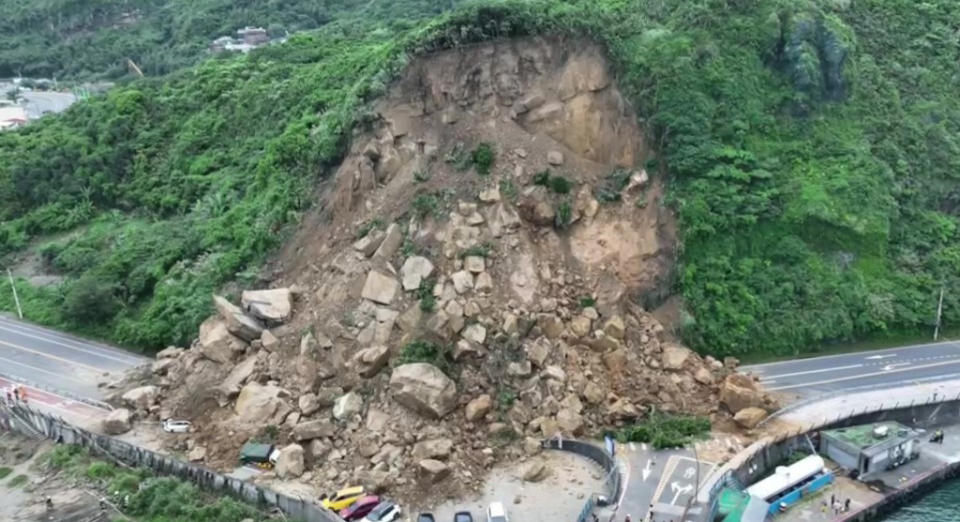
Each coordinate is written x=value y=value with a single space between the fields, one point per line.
x=846 y=505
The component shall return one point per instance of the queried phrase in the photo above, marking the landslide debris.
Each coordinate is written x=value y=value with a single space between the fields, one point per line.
x=472 y=281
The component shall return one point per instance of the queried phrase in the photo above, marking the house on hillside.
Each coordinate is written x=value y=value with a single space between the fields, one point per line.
x=12 y=116
x=253 y=35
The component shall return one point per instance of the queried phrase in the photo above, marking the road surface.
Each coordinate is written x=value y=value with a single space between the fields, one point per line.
x=836 y=373
x=58 y=361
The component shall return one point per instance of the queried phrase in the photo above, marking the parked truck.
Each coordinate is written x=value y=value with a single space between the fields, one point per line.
x=261 y=455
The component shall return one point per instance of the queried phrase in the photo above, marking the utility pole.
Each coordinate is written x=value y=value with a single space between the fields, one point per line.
x=15 y=298
x=936 y=329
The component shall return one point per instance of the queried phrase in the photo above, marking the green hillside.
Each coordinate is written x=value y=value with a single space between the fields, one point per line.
x=93 y=39
x=812 y=149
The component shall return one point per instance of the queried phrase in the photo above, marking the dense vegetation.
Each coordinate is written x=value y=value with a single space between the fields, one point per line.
x=91 y=39
x=142 y=496
x=665 y=431
x=812 y=148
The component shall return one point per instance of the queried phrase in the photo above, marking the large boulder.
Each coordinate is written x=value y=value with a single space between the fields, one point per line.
x=750 y=417
x=433 y=449
x=141 y=398
x=433 y=471
x=414 y=270
x=258 y=403
x=569 y=421
x=217 y=343
x=239 y=375
x=738 y=392
x=534 y=471
x=347 y=406
x=379 y=287
x=536 y=207
x=119 y=421
x=315 y=429
x=370 y=361
x=479 y=407
x=273 y=306
x=290 y=462
x=237 y=322
x=674 y=356
x=424 y=388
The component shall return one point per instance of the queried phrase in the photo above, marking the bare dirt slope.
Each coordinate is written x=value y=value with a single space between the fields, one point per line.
x=494 y=225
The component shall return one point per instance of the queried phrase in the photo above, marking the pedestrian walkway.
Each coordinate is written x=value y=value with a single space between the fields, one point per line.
x=824 y=409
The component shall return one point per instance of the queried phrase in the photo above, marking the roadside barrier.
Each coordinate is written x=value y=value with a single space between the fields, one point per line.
x=30 y=422
x=602 y=458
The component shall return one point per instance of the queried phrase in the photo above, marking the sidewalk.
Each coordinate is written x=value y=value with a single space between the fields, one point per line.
x=826 y=408
x=75 y=412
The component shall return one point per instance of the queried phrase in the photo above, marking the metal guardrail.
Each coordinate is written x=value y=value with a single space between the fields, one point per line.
x=597 y=454
x=27 y=420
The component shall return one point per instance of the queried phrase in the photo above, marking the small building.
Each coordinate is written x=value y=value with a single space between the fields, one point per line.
x=870 y=448
x=12 y=116
x=253 y=35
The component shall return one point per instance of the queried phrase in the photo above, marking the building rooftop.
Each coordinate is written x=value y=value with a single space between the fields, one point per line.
x=864 y=438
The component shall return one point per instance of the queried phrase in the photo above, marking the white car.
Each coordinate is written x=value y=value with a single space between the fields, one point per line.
x=176 y=426
x=497 y=513
x=385 y=512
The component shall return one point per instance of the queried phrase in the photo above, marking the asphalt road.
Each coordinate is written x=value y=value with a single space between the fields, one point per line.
x=836 y=373
x=58 y=361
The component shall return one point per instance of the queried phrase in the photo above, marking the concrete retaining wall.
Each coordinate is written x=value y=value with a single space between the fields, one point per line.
x=598 y=455
x=36 y=424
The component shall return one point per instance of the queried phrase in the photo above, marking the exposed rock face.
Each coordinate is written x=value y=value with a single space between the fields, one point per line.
x=507 y=294
x=118 y=421
x=750 y=417
x=290 y=462
x=273 y=306
x=424 y=388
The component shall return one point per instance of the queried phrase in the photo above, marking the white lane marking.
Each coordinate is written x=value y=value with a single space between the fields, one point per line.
x=51 y=356
x=643 y=446
x=647 y=469
x=751 y=367
x=41 y=370
x=834 y=369
x=97 y=353
x=633 y=447
x=679 y=490
x=625 y=465
x=865 y=375
x=889 y=367
x=875 y=357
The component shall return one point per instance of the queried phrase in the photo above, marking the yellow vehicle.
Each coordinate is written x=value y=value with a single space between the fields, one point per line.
x=343 y=498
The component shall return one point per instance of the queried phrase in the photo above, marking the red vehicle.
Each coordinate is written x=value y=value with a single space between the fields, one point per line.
x=360 y=508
